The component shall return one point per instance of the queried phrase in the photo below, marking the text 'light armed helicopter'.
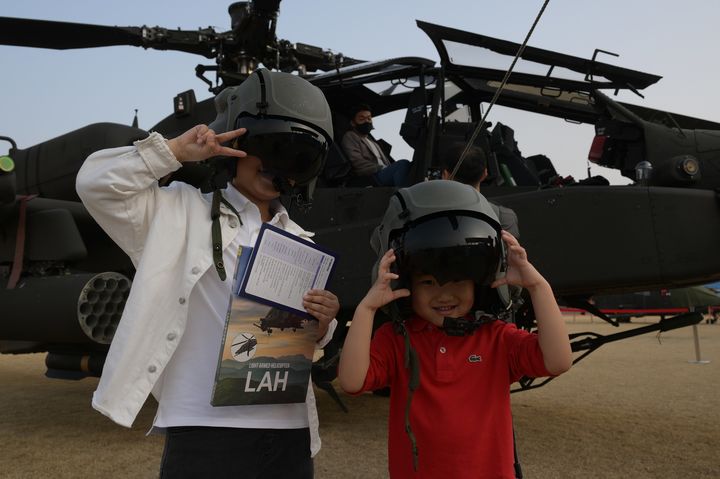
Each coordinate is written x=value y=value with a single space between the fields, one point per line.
x=69 y=281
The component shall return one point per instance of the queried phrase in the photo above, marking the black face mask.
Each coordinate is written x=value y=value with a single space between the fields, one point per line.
x=364 y=128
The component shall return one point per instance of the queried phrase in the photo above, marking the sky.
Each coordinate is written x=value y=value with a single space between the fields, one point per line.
x=45 y=93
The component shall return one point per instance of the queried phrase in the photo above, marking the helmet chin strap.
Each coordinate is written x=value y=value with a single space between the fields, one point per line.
x=459 y=326
x=465 y=327
x=283 y=186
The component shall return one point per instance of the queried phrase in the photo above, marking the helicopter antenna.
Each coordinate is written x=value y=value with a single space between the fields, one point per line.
x=478 y=129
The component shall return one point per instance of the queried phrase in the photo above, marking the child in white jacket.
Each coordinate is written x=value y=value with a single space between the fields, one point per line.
x=183 y=244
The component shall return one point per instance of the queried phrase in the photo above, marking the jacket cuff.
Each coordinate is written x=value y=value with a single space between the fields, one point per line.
x=328 y=335
x=157 y=155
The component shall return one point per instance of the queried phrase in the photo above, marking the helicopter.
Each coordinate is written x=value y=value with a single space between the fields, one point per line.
x=279 y=319
x=246 y=345
x=65 y=296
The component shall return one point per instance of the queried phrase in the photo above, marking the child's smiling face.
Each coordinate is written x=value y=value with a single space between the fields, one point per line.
x=434 y=302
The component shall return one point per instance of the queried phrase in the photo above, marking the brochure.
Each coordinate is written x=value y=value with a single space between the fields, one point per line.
x=268 y=344
x=283 y=268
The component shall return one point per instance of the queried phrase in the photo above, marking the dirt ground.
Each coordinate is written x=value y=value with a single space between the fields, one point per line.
x=635 y=408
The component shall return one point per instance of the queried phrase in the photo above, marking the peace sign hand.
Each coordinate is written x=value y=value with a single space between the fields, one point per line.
x=200 y=143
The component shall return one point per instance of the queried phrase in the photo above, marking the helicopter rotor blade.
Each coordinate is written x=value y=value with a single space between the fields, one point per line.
x=251 y=41
x=25 y=32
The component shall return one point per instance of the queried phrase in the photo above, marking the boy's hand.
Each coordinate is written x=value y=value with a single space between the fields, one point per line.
x=323 y=306
x=381 y=293
x=200 y=143
x=520 y=271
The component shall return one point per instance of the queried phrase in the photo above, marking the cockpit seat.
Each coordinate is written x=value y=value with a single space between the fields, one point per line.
x=503 y=144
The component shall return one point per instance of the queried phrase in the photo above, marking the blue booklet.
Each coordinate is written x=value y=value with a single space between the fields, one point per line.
x=283 y=267
x=268 y=345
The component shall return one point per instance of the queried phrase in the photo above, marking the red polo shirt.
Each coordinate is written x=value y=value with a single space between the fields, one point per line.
x=460 y=414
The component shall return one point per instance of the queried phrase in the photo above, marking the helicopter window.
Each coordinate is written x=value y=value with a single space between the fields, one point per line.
x=460 y=113
x=569 y=105
x=391 y=87
x=473 y=56
x=451 y=89
x=570 y=96
x=462 y=54
x=337 y=167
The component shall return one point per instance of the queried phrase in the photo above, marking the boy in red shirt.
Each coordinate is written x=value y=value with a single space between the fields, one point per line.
x=445 y=272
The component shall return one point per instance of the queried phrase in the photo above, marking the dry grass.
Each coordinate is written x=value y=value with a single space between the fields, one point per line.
x=636 y=408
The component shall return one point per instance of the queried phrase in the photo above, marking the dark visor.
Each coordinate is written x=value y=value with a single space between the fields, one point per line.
x=286 y=148
x=450 y=248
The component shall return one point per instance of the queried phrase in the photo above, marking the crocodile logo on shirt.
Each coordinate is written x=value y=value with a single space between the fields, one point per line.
x=475 y=358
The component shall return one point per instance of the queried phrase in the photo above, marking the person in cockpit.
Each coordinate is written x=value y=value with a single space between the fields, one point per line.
x=366 y=155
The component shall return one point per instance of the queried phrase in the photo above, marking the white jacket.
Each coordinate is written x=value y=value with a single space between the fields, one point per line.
x=166 y=233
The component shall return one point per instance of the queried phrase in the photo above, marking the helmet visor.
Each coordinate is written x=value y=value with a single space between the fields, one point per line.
x=451 y=247
x=288 y=149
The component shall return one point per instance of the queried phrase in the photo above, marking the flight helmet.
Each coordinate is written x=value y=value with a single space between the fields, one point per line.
x=449 y=230
x=288 y=122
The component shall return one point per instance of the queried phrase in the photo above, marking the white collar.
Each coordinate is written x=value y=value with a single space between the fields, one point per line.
x=241 y=202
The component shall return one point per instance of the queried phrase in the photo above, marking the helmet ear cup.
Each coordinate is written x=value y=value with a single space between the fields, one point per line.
x=403 y=305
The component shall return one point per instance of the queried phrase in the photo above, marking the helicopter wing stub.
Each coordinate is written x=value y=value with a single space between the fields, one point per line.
x=489 y=58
